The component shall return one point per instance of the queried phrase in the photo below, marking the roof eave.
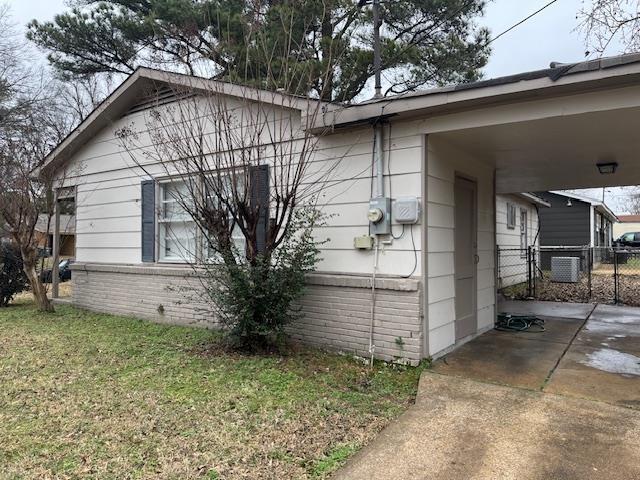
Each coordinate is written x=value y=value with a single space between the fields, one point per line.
x=534 y=199
x=446 y=101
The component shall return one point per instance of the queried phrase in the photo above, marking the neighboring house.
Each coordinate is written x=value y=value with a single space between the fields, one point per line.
x=626 y=224
x=453 y=149
x=517 y=229
x=575 y=220
x=44 y=234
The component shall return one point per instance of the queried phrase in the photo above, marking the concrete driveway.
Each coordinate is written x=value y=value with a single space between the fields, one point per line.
x=561 y=404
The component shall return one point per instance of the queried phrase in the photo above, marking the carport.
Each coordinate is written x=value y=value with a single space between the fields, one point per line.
x=580 y=131
x=560 y=403
x=567 y=127
x=577 y=127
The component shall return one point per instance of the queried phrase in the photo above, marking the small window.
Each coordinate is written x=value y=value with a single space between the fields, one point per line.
x=636 y=237
x=511 y=216
x=628 y=237
x=524 y=233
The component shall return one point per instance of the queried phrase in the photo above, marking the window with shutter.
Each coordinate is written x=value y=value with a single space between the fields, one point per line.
x=179 y=238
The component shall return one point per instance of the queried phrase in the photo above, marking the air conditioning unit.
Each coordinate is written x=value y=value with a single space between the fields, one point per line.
x=565 y=269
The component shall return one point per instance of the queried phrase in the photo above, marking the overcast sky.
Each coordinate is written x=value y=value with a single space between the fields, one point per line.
x=549 y=36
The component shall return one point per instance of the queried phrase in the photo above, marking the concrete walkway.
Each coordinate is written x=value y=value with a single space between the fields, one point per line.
x=563 y=404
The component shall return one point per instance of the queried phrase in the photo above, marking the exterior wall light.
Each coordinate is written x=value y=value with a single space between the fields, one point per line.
x=607 y=168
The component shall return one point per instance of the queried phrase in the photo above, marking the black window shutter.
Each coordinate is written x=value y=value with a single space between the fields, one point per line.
x=259 y=184
x=148 y=190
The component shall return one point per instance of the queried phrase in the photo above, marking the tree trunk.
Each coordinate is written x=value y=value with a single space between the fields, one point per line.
x=37 y=287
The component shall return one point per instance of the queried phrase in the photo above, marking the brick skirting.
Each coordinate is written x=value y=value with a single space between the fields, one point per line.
x=337 y=308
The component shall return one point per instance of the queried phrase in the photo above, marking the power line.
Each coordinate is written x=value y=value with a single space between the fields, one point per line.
x=520 y=22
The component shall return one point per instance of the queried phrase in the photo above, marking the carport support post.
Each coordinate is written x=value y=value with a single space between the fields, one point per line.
x=534 y=267
x=590 y=256
x=55 y=277
x=615 y=276
x=529 y=286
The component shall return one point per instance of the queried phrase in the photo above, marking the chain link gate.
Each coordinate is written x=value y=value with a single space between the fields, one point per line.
x=604 y=274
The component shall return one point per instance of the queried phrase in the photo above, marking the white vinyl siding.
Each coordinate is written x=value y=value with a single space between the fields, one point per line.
x=108 y=182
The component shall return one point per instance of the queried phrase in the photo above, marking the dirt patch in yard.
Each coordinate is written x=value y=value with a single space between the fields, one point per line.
x=99 y=396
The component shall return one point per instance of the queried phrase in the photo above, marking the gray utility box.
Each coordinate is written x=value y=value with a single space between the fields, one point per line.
x=565 y=269
x=382 y=224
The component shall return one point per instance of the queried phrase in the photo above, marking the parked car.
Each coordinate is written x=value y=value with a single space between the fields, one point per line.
x=629 y=240
x=64 y=271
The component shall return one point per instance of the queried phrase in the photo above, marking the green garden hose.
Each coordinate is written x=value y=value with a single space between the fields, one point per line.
x=519 y=323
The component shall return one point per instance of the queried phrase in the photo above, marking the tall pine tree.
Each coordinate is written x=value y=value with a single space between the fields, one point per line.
x=305 y=46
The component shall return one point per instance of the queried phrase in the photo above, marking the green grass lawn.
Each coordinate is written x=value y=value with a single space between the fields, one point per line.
x=86 y=395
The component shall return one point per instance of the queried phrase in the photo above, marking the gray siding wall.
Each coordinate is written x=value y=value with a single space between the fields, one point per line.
x=561 y=225
x=336 y=307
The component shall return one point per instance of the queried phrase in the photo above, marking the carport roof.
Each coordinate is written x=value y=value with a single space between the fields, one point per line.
x=555 y=72
x=559 y=79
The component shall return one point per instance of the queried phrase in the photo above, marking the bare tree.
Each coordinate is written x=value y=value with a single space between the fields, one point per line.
x=78 y=96
x=29 y=128
x=239 y=177
x=604 y=22
x=631 y=202
x=242 y=179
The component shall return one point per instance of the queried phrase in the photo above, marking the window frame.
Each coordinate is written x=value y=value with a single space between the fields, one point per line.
x=524 y=232
x=161 y=223
x=511 y=216
x=202 y=252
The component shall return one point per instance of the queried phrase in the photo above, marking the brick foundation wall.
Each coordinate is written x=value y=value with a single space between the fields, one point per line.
x=337 y=308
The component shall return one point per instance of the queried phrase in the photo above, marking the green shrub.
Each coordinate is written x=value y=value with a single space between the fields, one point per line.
x=254 y=301
x=12 y=278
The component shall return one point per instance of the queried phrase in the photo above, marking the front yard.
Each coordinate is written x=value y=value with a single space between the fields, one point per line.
x=85 y=395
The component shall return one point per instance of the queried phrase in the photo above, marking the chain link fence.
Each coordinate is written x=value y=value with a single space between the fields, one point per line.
x=570 y=274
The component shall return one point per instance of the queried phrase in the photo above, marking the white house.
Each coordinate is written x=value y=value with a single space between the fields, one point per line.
x=451 y=149
x=517 y=229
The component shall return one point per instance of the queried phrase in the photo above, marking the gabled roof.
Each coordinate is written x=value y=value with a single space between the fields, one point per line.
x=137 y=85
x=600 y=206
